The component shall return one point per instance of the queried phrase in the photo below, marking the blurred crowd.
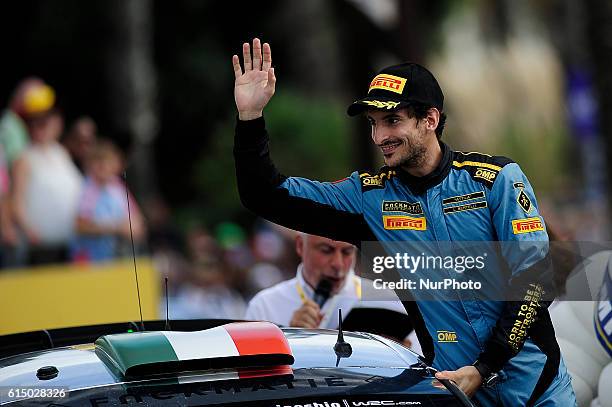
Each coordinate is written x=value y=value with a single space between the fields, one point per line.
x=63 y=199
x=219 y=271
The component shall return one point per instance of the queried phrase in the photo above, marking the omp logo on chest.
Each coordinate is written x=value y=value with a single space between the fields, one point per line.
x=412 y=208
x=447 y=337
x=404 y=223
x=485 y=174
x=527 y=225
x=388 y=82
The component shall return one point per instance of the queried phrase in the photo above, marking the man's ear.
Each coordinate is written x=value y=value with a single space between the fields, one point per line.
x=299 y=245
x=432 y=119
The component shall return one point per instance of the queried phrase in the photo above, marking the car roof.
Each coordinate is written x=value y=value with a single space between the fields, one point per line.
x=80 y=367
x=376 y=365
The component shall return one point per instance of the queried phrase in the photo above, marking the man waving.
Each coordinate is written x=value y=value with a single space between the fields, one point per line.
x=506 y=352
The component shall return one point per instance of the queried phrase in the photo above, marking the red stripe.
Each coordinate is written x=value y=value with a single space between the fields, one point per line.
x=265 y=372
x=258 y=338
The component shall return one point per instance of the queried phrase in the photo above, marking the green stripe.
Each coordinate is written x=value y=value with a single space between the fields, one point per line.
x=133 y=349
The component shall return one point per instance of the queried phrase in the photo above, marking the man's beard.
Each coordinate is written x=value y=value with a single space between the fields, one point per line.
x=415 y=157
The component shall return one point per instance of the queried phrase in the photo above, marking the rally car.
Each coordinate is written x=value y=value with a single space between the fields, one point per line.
x=215 y=363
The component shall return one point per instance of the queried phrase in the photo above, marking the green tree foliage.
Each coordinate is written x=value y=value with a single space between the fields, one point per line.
x=309 y=137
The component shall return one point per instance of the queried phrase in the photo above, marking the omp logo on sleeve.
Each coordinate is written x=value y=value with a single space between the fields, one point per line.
x=375 y=181
x=527 y=225
x=388 y=82
x=412 y=208
x=485 y=174
x=372 y=181
x=447 y=336
x=396 y=222
x=382 y=105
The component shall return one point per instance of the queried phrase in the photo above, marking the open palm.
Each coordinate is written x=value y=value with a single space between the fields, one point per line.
x=255 y=85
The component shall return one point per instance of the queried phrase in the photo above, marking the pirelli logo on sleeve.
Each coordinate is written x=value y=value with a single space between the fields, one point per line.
x=399 y=222
x=527 y=225
x=391 y=83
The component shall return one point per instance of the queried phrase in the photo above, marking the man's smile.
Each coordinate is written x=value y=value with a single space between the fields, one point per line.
x=389 y=147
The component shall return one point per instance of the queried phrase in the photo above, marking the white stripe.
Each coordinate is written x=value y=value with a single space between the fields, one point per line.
x=211 y=343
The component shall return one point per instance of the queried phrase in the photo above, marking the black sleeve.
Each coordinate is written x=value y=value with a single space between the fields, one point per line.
x=259 y=187
x=524 y=313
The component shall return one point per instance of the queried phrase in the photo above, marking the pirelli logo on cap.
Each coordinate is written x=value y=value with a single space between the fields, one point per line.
x=391 y=83
x=398 y=222
x=527 y=225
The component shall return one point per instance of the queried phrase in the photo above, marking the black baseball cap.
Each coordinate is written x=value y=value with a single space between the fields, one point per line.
x=399 y=86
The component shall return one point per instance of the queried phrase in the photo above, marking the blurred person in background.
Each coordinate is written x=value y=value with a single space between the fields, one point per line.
x=8 y=232
x=205 y=287
x=46 y=188
x=102 y=219
x=290 y=303
x=80 y=139
x=236 y=254
x=31 y=97
x=270 y=250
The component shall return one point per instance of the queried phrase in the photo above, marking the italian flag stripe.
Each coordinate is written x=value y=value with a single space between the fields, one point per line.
x=129 y=351
x=235 y=339
x=256 y=338
x=138 y=348
x=211 y=343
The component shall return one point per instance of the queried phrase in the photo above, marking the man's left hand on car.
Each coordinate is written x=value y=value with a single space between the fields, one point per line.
x=467 y=378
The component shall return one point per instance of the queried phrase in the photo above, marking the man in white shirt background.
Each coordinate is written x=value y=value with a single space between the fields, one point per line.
x=290 y=303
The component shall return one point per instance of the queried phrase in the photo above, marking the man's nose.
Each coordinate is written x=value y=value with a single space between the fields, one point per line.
x=338 y=261
x=378 y=135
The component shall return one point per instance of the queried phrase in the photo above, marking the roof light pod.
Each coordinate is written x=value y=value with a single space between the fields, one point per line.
x=242 y=345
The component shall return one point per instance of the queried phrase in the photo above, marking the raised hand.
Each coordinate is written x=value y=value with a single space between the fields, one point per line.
x=254 y=86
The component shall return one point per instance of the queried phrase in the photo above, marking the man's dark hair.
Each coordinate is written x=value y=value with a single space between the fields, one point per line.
x=419 y=111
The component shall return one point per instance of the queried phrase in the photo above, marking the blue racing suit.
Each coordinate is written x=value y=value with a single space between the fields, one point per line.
x=468 y=197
